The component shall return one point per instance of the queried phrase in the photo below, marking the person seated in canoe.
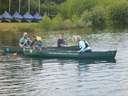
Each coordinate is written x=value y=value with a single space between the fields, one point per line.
x=24 y=41
x=61 y=41
x=38 y=44
x=83 y=45
x=33 y=41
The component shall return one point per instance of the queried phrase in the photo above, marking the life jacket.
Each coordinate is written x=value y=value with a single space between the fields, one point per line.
x=86 y=44
x=24 y=42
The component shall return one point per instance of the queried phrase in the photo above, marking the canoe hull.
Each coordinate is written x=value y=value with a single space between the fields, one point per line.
x=64 y=53
x=13 y=50
x=20 y=50
x=71 y=54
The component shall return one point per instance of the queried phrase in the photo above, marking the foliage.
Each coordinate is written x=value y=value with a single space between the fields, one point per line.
x=45 y=23
x=75 y=19
x=57 y=22
x=67 y=24
x=86 y=18
x=118 y=13
x=62 y=14
x=75 y=7
x=98 y=17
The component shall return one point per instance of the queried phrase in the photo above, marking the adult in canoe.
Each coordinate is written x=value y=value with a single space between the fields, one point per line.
x=83 y=45
x=24 y=41
x=61 y=41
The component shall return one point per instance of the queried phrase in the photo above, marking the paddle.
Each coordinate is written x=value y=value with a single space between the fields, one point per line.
x=1 y=52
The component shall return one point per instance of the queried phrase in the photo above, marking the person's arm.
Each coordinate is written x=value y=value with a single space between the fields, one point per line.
x=58 y=43
x=63 y=44
x=81 y=46
x=25 y=43
x=21 y=42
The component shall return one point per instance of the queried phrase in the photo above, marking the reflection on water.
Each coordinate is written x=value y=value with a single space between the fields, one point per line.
x=48 y=77
x=45 y=77
x=52 y=77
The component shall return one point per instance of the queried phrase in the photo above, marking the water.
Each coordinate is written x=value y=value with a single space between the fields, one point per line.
x=52 y=77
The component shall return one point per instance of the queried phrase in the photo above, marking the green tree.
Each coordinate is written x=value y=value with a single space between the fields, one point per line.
x=118 y=13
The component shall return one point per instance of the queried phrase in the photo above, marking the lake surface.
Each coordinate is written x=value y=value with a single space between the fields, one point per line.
x=53 y=77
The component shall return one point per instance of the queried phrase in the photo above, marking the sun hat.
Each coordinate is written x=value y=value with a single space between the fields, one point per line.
x=38 y=38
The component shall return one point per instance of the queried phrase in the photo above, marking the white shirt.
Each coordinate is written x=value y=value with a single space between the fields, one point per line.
x=82 y=46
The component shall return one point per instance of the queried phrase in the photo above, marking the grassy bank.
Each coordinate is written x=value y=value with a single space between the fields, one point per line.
x=17 y=27
x=38 y=27
x=34 y=27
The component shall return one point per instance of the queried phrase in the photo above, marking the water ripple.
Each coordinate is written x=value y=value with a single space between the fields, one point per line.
x=53 y=77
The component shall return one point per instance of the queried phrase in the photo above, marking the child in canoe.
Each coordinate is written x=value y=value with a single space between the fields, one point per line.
x=61 y=41
x=37 y=43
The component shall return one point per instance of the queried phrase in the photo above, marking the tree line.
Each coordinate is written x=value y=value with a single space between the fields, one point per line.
x=46 y=6
x=89 y=13
x=61 y=14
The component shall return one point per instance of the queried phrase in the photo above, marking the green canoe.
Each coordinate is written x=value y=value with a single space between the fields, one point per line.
x=69 y=54
x=20 y=50
x=12 y=50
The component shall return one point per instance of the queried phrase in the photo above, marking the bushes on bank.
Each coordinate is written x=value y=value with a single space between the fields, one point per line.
x=57 y=22
x=92 y=13
x=86 y=18
x=45 y=23
x=95 y=18
x=75 y=7
x=118 y=14
x=98 y=17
